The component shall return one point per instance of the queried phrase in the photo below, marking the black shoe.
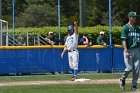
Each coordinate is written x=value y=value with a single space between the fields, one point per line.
x=53 y=73
x=73 y=78
x=122 y=83
x=134 y=88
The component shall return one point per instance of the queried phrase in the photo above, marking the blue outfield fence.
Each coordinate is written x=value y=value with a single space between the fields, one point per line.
x=118 y=59
x=47 y=59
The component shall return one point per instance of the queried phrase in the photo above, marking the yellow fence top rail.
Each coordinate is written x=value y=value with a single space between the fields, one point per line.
x=53 y=46
x=118 y=46
x=48 y=46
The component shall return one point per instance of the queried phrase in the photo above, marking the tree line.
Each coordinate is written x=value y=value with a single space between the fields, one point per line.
x=39 y=13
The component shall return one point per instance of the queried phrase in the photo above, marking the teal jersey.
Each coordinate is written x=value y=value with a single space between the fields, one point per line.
x=101 y=41
x=131 y=35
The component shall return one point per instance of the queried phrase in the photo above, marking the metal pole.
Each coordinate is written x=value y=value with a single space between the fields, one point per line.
x=38 y=39
x=13 y=21
x=27 y=39
x=7 y=36
x=0 y=32
x=34 y=39
x=110 y=35
x=110 y=22
x=0 y=23
x=83 y=12
x=59 y=20
x=0 y=9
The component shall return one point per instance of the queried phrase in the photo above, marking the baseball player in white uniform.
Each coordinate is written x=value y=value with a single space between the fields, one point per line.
x=71 y=46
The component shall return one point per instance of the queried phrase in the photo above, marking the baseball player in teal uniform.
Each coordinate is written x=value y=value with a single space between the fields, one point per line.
x=71 y=46
x=131 y=43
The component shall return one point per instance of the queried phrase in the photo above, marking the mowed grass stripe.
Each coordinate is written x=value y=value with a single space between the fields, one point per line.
x=57 y=77
x=81 y=88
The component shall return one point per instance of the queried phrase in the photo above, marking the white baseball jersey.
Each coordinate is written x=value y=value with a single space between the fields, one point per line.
x=73 y=54
x=72 y=42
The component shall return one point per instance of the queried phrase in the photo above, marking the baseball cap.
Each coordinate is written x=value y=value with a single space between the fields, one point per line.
x=50 y=32
x=131 y=14
x=70 y=28
x=102 y=32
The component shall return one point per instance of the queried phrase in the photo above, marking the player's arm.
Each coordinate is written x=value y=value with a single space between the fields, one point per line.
x=139 y=37
x=124 y=38
x=86 y=42
x=63 y=52
x=76 y=27
x=125 y=48
x=49 y=41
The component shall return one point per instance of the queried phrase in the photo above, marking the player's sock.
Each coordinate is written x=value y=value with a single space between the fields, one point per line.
x=72 y=72
x=75 y=73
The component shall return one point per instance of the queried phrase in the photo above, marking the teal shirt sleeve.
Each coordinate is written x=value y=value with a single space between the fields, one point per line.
x=98 y=40
x=125 y=30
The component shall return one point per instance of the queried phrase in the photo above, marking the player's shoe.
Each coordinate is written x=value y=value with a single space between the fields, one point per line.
x=122 y=83
x=134 y=88
x=73 y=78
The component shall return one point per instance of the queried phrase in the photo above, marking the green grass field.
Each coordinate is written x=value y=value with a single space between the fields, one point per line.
x=102 y=88
x=62 y=88
x=57 y=77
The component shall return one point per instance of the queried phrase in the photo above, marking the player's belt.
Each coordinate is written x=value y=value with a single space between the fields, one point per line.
x=71 y=50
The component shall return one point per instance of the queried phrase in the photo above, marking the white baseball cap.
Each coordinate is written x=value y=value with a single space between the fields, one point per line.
x=50 y=32
x=102 y=32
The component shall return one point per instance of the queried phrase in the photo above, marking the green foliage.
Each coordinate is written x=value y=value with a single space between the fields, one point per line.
x=97 y=12
x=8 y=18
x=38 y=16
x=93 y=32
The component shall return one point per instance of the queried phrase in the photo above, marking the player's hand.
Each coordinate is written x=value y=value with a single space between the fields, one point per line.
x=105 y=44
x=86 y=46
x=126 y=54
x=62 y=54
x=90 y=43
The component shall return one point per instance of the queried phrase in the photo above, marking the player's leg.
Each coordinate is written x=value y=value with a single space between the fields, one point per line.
x=128 y=64
x=75 y=62
x=128 y=69
x=135 y=69
x=98 y=62
x=70 y=58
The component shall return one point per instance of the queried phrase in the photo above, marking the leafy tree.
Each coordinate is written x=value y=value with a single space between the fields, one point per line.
x=20 y=5
x=97 y=12
x=70 y=7
x=121 y=9
x=38 y=15
x=6 y=7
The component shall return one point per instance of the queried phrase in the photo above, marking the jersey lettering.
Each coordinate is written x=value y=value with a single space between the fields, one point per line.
x=71 y=42
x=134 y=34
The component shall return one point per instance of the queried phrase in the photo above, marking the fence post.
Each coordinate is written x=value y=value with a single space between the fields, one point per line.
x=7 y=36
x=27 y=39
x=0 y=32
x=38 y=39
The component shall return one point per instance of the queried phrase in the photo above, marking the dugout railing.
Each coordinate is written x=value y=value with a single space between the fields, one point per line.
x=22 y=38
